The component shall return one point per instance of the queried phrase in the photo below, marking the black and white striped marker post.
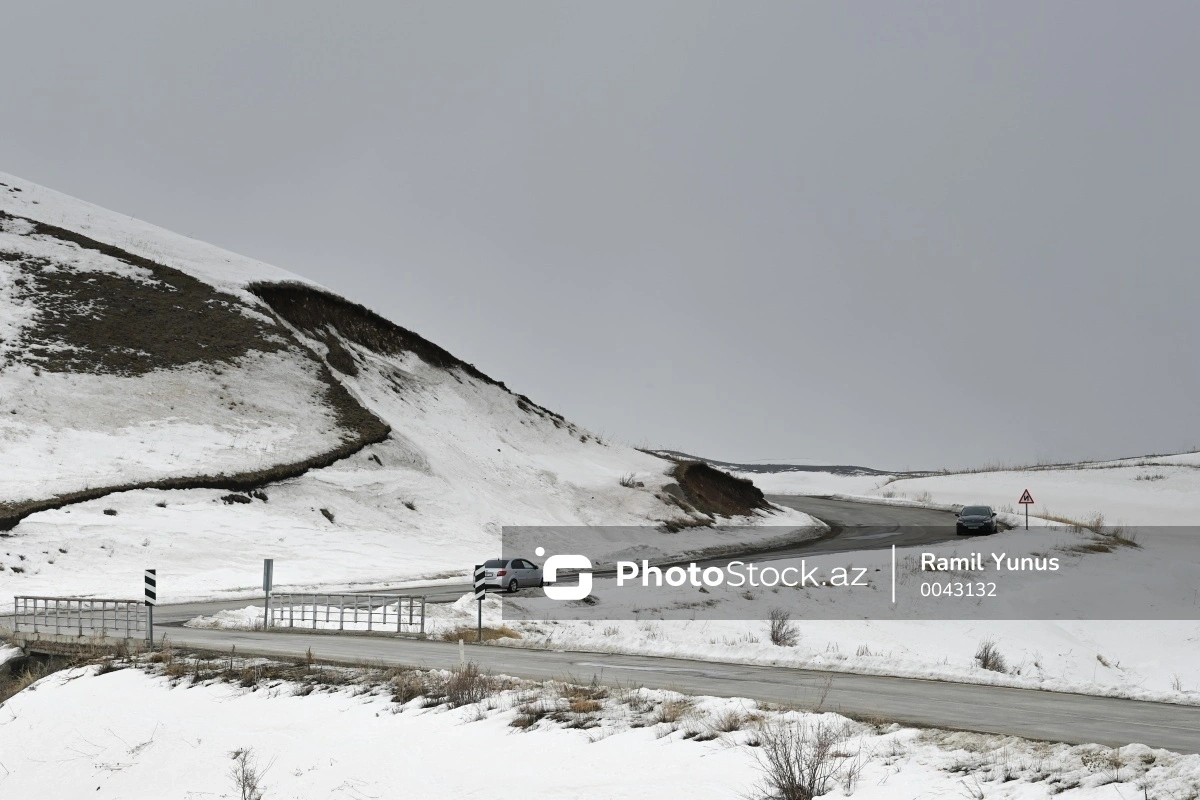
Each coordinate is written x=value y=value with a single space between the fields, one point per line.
x=151 y=600
x=480 y=591
x=268 y=580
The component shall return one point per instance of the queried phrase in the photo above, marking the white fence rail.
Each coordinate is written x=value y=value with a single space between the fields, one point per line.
x=74 y=616
x=374 y=613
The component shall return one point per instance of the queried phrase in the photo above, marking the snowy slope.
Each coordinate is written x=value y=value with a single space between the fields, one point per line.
x=121 y=363
x=138 y=360
x=130 y=734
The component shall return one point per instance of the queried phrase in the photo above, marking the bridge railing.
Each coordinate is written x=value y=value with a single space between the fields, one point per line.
x=374 y=613
x=75 y=616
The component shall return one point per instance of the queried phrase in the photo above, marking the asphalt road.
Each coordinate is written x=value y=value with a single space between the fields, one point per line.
x=856 y=526
x=864 y=526
x=988 y=709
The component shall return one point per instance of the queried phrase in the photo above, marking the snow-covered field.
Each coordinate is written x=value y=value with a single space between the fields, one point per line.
x=1149 y=490
x=133 y=735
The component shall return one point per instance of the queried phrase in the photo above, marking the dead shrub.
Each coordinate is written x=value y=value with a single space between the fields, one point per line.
x=407 y=686
x=246 y=775
x=782 y=630
x=729 y=721
x=467 y=685
x=988 y=656
x=802 y=760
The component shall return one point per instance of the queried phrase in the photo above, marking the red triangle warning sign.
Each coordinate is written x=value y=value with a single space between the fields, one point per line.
x=1026 y=498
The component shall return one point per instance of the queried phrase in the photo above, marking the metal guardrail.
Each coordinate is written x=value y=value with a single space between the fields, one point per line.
x=74 y=616
x=382 y=613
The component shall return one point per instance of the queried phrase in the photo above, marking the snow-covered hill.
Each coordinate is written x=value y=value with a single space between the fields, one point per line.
x=1153 y=490
x=164 y=403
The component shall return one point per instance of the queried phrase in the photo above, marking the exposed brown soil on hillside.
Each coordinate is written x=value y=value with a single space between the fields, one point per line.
x=712 y=491
x=97 y=322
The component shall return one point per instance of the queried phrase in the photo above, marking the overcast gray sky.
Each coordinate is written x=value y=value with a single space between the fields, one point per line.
x=899 y=234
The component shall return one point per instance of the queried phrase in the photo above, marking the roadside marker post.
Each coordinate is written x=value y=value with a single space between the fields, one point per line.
x=151 y=600
x=268 y=578
x=480 y=591
x=1026 y=500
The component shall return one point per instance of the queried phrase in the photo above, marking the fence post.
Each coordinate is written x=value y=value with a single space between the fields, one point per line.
x=422 y=615
x=370 y=613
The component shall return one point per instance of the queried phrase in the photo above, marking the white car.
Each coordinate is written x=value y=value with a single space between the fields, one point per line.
x=511 y=574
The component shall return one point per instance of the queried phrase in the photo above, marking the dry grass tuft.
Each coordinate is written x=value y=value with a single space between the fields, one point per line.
x=470 y=633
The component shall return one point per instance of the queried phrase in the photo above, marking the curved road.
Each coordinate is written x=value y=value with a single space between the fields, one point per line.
x=855 y=526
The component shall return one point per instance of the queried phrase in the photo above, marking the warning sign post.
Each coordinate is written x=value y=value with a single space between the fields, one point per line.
x=1026 y=500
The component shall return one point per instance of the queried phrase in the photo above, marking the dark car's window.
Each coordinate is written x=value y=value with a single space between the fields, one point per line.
x=976 y=511
x=494 y=563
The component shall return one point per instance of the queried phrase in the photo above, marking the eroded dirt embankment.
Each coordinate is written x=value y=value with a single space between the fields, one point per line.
x=714 y=492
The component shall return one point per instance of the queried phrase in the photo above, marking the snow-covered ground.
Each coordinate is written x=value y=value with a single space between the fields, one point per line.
x=1143 y=659
x=416 y=513
x=134 y=735
x=1149 y=490
x=8 y=653
x=1162 y=490
x=465 y=456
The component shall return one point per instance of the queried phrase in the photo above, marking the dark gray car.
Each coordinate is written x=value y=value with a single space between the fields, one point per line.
x=976 y=519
